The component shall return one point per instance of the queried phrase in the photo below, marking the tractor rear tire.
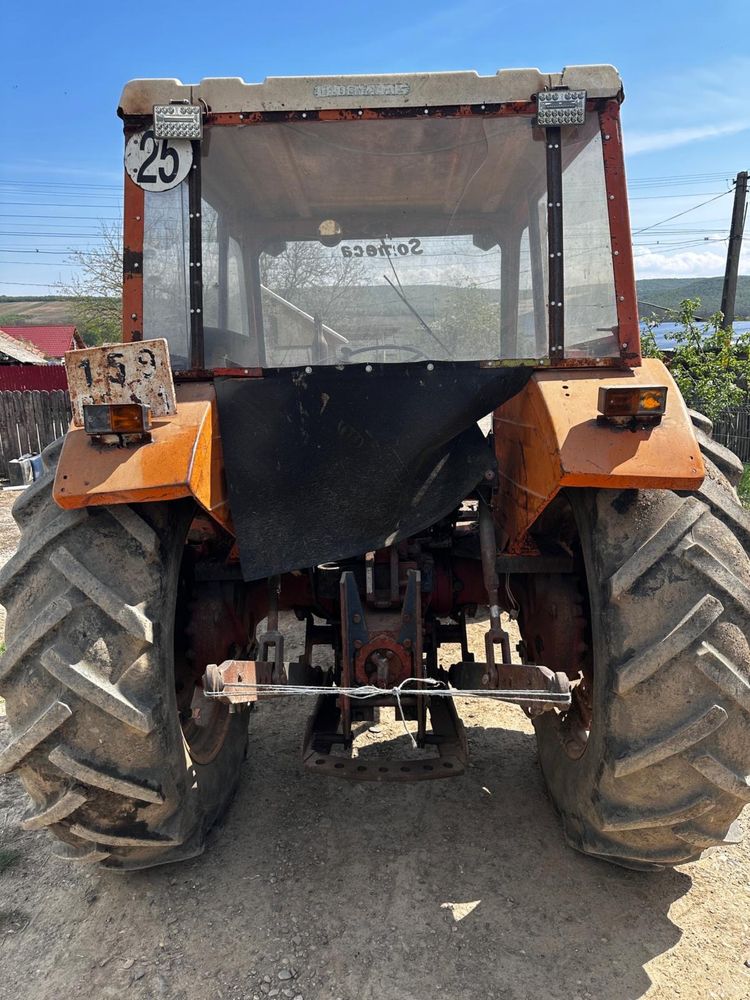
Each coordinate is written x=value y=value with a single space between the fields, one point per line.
x=88 y=675
x=663 y=773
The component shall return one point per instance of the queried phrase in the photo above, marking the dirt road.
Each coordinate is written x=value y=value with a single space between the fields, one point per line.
x=323 y=890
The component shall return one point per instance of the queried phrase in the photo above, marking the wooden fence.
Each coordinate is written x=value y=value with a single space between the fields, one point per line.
x=733 y=430
x=29 y=421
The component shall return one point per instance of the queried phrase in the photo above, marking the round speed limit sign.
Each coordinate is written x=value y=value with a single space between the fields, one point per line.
x=157 y=164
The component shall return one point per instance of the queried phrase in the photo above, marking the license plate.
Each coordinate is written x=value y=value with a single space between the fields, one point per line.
x=121 y=373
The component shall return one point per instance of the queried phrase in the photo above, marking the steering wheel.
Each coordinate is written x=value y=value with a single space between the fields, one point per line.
x=374 y=347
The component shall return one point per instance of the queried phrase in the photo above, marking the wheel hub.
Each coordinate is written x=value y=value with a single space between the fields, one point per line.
x=217 y=629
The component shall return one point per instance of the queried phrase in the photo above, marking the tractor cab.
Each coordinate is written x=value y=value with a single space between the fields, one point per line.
x=347 y=222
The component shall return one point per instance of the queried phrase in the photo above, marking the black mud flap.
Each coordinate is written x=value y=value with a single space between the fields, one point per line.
x=326 y=465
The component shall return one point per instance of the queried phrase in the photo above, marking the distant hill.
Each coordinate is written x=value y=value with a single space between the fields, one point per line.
x=669 y=292
x=16 y=311
x=666 y=293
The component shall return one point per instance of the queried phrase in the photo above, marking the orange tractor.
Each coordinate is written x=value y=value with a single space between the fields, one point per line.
x=329 y=284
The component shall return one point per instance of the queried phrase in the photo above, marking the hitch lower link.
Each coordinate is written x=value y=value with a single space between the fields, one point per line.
x=235 y=681
x=536 y=688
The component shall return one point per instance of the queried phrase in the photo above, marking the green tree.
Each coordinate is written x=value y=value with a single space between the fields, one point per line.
x=96 y=289
x=710 y=365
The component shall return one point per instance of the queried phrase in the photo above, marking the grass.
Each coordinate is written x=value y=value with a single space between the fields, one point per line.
x=744 y=487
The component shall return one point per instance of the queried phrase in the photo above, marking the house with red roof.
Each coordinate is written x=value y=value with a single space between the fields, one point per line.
x=31 y=356
x=52 y=341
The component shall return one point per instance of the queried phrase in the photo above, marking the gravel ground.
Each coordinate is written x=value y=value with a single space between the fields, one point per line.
x=318 y=889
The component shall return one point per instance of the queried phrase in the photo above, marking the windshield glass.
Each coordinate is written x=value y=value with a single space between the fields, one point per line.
x=373 y=240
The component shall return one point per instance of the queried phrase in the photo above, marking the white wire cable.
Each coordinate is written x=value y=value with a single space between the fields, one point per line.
x=437 y=690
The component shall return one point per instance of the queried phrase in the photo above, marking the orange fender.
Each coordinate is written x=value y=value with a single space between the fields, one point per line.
x=547 y=437
x=184 y=458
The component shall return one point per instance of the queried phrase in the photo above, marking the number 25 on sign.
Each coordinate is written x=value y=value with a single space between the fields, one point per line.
x=157 y=164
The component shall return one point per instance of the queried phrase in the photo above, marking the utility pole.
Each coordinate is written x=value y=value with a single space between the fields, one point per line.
x=729 y=292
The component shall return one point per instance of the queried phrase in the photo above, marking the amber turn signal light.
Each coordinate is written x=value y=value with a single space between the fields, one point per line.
x=633 y=401
x=116 y=418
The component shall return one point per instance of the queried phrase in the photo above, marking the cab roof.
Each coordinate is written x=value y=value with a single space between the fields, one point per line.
x=317 y=93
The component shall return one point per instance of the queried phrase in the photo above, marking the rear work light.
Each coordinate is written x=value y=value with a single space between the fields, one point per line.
x=632 y=404
x=105 y=419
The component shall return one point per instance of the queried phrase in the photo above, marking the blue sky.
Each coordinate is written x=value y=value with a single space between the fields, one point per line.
x=686 y=67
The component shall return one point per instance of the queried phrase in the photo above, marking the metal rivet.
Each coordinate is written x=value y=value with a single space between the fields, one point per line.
x=368 y=368
x=617 y=253
x=137 y=218
x=197 y=310
x=304 y=114
x=430 y=367
x=606 y=137
x=192 y=310
x=136 y=265
x=426 y=111
x=134 y=315
x=625 y=345
x=611 y=197
x=308 y=370
x=622 y=298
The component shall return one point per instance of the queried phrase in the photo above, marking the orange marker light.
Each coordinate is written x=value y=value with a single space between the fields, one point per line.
x=116 y=418
x=632 y=401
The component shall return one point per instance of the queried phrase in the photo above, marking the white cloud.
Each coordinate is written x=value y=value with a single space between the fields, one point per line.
x=649 y=142
x=686 y=264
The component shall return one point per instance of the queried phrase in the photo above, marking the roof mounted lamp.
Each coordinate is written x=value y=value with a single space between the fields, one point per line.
x=560 y=107
x=178 y=120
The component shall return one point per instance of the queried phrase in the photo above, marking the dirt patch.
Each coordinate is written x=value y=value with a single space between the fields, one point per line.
x=325 y=890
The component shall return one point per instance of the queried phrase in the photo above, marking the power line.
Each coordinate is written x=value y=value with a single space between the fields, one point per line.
x=31 y=215
x=677 y=216
x=35 y=284
x=58 y=204
x=61 y=184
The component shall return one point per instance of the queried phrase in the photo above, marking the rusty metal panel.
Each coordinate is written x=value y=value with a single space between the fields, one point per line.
x=547 y=438
x=121 y=373
x=628 y=323
x=183 y=458
x=132 y=271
